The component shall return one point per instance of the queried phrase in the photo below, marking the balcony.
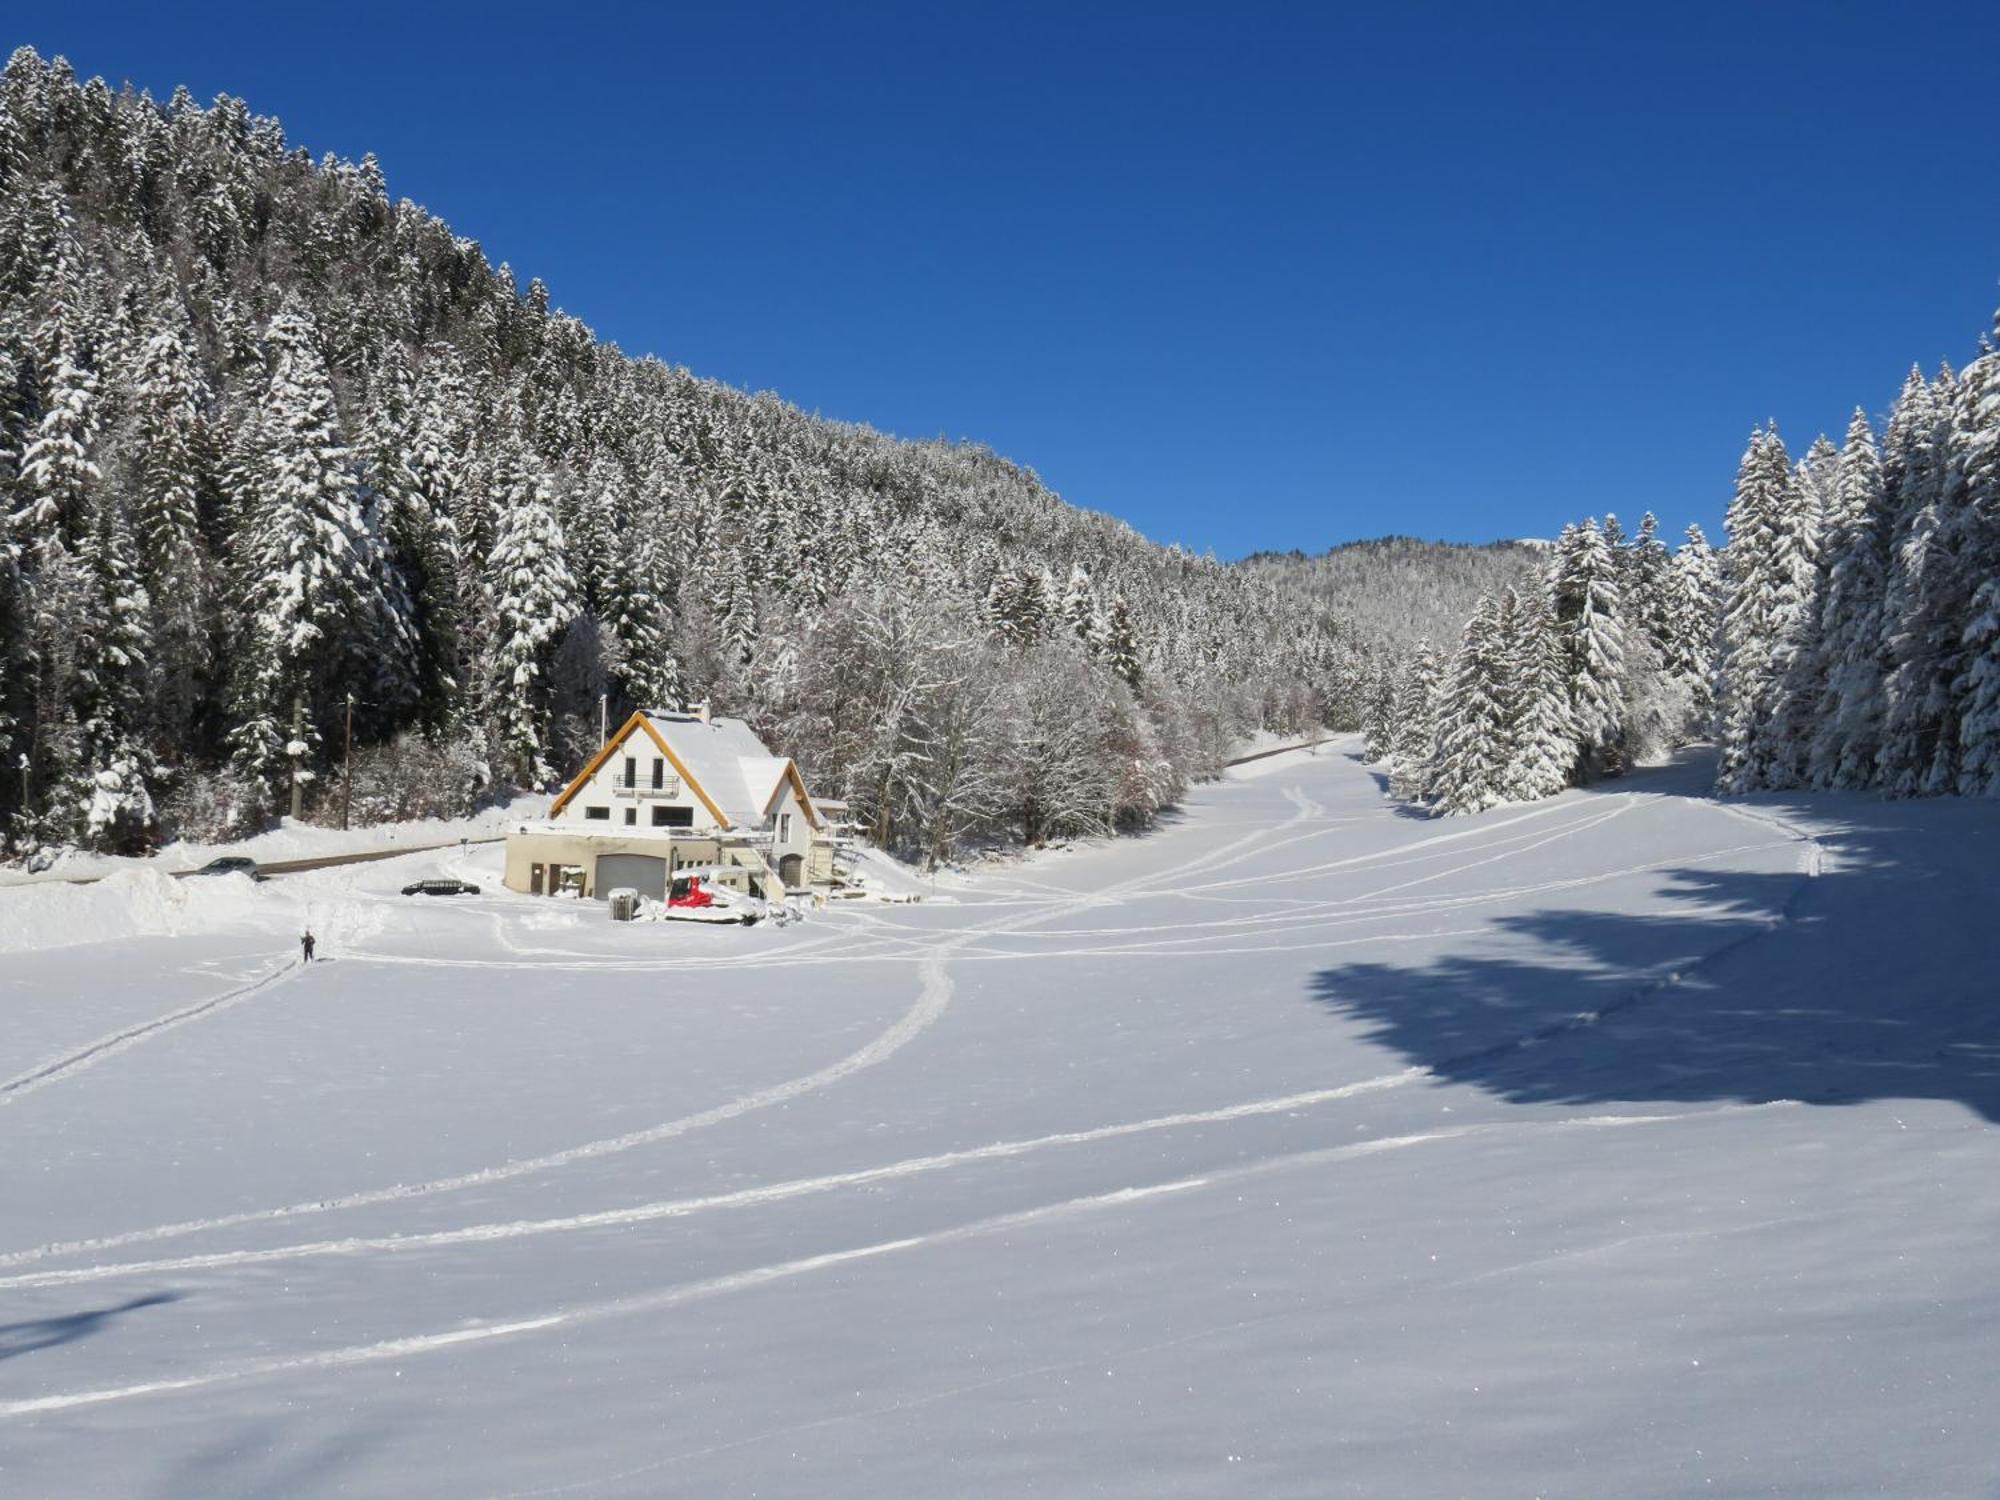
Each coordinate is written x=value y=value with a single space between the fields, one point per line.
x=671 y=787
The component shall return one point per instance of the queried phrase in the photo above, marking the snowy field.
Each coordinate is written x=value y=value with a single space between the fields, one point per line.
x=1627 y=1144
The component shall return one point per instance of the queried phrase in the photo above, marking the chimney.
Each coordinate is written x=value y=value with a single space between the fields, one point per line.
x=701 y=710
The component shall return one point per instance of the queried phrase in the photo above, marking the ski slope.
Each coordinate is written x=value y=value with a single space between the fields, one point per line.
x=1627 y=1144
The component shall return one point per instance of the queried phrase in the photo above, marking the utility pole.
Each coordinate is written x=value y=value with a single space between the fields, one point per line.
x=347 y=767
x=298 y=739
x=603 y=717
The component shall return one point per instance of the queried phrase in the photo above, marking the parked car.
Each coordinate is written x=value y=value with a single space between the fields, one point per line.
x=441 y=887
x=232 y=864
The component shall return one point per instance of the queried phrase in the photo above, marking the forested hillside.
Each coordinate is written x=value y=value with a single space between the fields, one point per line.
x=1396 y=590
x=273 y=443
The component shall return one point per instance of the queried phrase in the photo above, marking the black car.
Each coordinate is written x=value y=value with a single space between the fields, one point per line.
x=441 y=888
x=231 y=864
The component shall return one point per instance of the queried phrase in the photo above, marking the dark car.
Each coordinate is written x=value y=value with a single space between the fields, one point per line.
x=441 y=888
x=231 y=864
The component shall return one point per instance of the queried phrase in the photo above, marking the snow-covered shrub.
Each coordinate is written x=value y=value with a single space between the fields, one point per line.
x=210 y=807
x=408 y=777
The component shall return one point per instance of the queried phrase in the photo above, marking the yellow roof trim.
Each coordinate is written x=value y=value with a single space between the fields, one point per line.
x=798 y=785
x=596 y=763
x=639 y=721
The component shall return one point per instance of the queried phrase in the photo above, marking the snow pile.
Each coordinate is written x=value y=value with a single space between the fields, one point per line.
x=882 y=875
x=292 y=840
x=132 y=903
x=342 y=905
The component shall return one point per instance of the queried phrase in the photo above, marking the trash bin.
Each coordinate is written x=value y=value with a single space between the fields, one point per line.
x=624 y=904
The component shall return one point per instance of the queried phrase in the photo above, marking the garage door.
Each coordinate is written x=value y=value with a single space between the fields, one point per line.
x=644 y=873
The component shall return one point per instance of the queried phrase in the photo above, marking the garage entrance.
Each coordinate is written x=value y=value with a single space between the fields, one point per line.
x=644 y=873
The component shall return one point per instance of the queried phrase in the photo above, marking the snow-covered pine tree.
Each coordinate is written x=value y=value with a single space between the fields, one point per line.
x=165 y=406
x=16 y=674
x=1003 y=603
x=1378 y=710
x=1121 y=643
x=1696 y=619
x=1471 y=721
x=535 y=598
x=1584 y=585
x=1798 y=661
x=57 y=475
x=1768 y=572
x=1415 y=745
x=1079 y=606
x=110 y=806
x=322 y=615
x=1539 y=735
x=1846 y=734
x=638 y=624
x=1649 y=601
x=1977 y=690
x=735 y=603
x=1920 y=642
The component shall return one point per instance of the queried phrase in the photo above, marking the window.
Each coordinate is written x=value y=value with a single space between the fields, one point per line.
x=598 y=814
x=784 y=828
x=631 y=771
x=631 y=815
x=659 y=773
x=673 y=817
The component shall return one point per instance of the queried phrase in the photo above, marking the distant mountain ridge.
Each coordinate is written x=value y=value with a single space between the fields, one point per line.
x=1394 y=591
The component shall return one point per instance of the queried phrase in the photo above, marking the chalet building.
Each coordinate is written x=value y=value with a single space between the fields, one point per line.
x=669 y=791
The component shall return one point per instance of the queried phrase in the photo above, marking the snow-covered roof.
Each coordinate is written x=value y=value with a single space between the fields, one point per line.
x=726 y=760
x=722 y=760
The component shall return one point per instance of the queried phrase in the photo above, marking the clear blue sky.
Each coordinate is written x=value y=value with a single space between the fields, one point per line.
x=1246 y=276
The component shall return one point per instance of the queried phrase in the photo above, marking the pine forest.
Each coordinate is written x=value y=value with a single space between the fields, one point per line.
x=294 y=479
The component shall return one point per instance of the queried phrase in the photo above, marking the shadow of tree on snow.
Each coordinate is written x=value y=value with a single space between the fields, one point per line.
x=17 y=1339
x=1878 y=979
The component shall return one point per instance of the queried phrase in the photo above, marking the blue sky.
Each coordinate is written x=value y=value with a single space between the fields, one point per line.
x=1246 y=276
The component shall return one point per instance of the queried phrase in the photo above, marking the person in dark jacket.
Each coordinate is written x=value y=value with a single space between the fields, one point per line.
x=306 y=944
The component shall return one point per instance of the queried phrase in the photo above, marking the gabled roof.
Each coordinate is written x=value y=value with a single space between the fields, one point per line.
x=722 y=761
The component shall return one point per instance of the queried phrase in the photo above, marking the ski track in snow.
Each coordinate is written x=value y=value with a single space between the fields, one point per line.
x=869 y=937
x=55 y=1070
x=735 y=1281
x=674 y=1208
x=934 y=996
x=1647 y=988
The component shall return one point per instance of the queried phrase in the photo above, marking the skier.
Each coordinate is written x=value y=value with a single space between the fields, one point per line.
x=306 y=944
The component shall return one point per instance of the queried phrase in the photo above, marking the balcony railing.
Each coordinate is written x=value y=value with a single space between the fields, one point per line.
x=670 y=788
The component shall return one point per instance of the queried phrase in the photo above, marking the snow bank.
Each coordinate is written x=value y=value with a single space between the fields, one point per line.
x=131 y=903
x=290 y=840
x=882 y=874
x=341 y=905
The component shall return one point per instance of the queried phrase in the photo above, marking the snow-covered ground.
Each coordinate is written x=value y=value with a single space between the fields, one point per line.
x=287 y=841
x=1627 y=1144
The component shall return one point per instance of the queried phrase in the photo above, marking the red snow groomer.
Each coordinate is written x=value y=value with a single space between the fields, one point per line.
x=688 y=894
x=696 y=895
